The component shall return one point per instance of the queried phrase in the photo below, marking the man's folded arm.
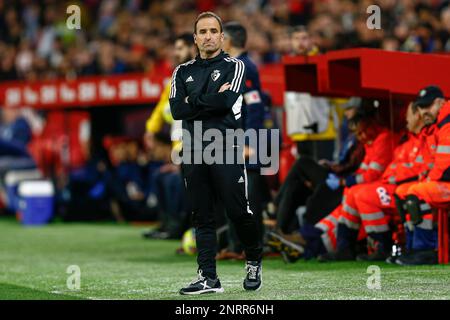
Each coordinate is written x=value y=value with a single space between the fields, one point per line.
x=180 y=109
x=222 y=102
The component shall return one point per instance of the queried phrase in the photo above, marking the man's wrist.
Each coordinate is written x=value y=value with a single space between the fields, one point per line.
x=192 y=99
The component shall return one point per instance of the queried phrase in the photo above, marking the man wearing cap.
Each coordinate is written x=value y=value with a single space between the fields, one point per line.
x=434 y=186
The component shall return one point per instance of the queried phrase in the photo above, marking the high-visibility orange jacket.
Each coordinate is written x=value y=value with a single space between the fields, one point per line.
x=441 y=168
x=428 y=143
x=378 y=155
x=407 y=163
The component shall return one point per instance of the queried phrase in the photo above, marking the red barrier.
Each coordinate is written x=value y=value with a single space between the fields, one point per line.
x=86 y=91
x=369 y=73
x=125 y=89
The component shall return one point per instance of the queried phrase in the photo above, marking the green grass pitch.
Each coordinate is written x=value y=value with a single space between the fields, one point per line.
x=116 y=263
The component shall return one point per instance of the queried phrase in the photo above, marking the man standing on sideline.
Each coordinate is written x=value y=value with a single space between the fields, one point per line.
x=206 y=93
x=253 y=118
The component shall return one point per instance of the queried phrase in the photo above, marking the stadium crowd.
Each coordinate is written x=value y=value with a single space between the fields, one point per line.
x=137 y=35
x=367 y=197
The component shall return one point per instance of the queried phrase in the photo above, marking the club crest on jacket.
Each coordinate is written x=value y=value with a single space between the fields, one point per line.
x=215 y=75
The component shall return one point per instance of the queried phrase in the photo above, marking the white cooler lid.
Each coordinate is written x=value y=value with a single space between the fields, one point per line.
x=36 y=188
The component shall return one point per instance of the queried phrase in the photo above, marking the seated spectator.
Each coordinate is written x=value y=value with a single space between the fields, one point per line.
x=14 y=127
x=305 y=186
x=168 y=187
x=15 y=134
x=85 y=196
x=416 y=200
x=127 y=182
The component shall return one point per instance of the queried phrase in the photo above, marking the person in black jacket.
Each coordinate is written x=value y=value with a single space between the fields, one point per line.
x=206 y=93
x=253 y=115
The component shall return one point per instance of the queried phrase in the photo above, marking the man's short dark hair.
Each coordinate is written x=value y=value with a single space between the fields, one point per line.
x=237 y=34
x=299 y=28
x=187 y=38
x=208 y=14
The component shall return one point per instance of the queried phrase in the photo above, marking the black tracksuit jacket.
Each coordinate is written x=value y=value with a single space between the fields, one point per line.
x=200 y=80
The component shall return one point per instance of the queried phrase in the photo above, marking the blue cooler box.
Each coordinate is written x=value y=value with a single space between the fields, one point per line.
x=12 y=180
x=36 y=202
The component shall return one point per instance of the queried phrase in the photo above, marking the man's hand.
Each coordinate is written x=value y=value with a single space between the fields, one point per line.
x=225 y=86
x=308 y=184
x=325 y=163
x=248 y=152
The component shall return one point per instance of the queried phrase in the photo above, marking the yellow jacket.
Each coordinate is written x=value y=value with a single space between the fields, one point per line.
x=162 y=114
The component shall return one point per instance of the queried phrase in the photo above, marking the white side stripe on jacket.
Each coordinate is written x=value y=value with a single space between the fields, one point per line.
x=173 y=87
x=238 y=73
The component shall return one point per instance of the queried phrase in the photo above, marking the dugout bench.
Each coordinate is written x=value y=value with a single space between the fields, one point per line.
x=374 y=73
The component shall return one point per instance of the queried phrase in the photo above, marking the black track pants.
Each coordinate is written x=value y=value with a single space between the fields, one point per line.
x=226 y=183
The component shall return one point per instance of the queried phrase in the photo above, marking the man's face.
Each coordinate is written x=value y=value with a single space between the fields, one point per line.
x=226 y=43
x=301 y=42
x=208 y=37
x=413 y=119
x=182 y=52
x=10 y=114
x=430 y=113
x=350 y=112
x=361 y=136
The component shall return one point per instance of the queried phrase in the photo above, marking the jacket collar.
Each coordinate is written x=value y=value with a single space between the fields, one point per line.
x=206 y=62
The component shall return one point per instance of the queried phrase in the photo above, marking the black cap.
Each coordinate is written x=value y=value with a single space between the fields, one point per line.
x=427 y=95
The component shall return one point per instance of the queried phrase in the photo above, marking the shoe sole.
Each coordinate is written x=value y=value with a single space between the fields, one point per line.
x=212 y=290
x=254 y=290
x=288 y=243
x=259 y=288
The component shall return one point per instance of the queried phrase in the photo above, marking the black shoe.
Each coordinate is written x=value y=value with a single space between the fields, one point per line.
x=153 y=233
x=253 y=280
x=392 y=259
x=344 y=255
x=202 y=285
x=160 y=235
x=418 y=258
x=375 y=256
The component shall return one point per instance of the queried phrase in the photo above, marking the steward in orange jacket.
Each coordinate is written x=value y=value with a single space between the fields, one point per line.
x=434 y=188
x=379 y=146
